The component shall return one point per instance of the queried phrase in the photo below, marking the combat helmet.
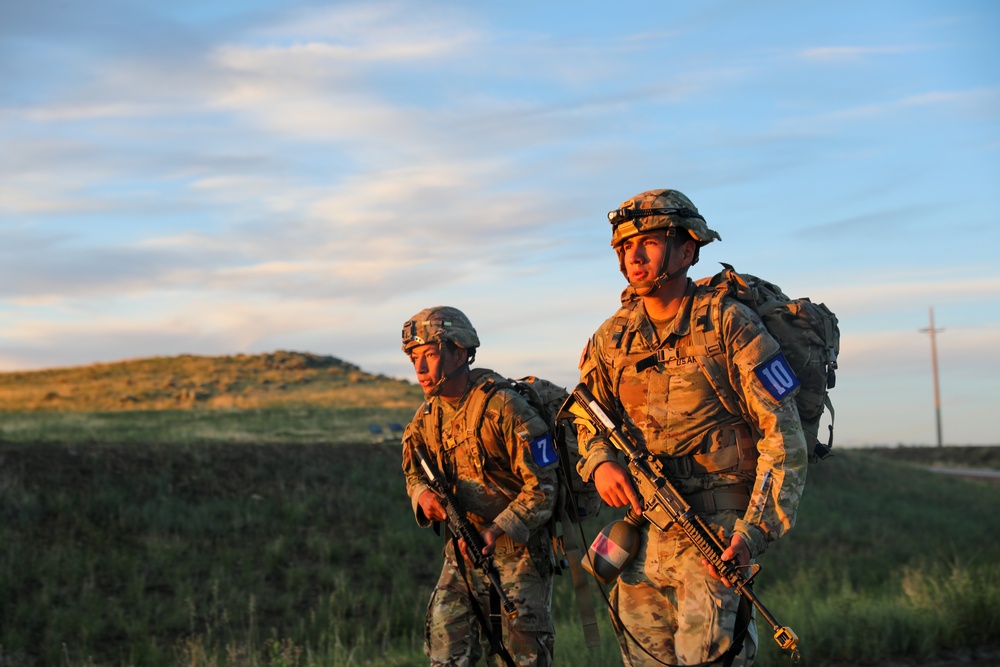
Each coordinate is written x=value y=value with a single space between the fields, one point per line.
x=440 y=324
x=658 y=209
x=663 y=209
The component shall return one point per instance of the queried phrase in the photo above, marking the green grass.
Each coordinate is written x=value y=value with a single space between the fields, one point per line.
x=134 y=555
x=299 y=425
x=958 y=456
x=224 y=551
x=887 y=560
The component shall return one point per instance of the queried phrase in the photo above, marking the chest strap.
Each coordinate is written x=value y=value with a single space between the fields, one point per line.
x=665 y=354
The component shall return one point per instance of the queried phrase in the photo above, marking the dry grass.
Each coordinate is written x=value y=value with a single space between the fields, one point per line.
x=279 y=379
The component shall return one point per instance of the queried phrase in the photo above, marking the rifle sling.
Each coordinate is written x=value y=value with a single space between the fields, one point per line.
x=492 y=627
x=581 y=583
x=744 y=614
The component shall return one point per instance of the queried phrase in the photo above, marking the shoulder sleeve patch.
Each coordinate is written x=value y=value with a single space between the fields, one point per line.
x=777 y=377
x=543 y=451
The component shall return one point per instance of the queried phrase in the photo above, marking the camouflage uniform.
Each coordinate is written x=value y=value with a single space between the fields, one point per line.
x=665 y=598
x=496 y=480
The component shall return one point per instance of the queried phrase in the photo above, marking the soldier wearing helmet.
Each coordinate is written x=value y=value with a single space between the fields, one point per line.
x=666 y=210
x=433 y=331
x=740 y=468
x=496 y=459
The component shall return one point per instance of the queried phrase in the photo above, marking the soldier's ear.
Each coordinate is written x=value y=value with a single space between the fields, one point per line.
x=689 y=250
x=458 y=355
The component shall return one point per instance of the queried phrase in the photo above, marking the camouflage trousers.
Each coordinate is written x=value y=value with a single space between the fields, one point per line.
x=453 y=635
x=670 y=610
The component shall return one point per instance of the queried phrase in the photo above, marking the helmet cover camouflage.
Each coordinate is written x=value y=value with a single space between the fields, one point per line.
x=438 y=325
x=658 y=209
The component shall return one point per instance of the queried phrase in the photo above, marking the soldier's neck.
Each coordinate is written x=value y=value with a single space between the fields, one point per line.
x=454 y=388
x=663 y=304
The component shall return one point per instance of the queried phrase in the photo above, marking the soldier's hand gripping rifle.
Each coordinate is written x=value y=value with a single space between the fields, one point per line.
x=463 y=528
x=663 y=505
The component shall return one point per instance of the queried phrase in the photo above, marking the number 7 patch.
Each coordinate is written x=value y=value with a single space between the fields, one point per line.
x=543 y=451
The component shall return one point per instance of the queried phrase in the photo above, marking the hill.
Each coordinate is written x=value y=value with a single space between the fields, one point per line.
x=278 y=379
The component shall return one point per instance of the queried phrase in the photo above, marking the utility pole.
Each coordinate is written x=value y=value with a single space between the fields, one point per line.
x=937 y=392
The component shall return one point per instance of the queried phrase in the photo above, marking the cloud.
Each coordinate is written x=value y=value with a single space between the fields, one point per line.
x=374 y=31
x=977 y=101
x=891 y=292
x=326 y=53
x=840 y=54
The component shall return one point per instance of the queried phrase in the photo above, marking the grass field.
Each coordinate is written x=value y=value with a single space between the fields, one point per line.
x=131 y=546
x=261 y=426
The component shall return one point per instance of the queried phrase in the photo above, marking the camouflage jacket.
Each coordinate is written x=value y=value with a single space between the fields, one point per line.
x=490 y=468
x=670 y=404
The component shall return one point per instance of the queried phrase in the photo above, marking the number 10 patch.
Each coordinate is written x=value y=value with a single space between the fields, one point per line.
x=777 y=377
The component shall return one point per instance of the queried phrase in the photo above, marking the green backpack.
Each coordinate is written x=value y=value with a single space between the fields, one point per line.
x=807 y=332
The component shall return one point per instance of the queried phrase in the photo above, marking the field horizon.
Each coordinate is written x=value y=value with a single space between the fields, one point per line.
x=271 y=380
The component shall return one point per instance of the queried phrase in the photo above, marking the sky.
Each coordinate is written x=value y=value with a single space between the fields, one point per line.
x=207 y=177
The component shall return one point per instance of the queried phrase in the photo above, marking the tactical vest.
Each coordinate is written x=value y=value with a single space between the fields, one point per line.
x=702 y=345
x=463 y=431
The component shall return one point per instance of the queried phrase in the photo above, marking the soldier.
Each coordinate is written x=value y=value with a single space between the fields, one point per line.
x=743 y=474
x=502 y=474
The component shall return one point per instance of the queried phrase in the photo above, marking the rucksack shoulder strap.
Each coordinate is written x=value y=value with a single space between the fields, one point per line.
x=484 y=383
x=619 y=336
x=706 y=339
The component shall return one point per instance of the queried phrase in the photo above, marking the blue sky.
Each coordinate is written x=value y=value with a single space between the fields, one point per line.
x=222 y=177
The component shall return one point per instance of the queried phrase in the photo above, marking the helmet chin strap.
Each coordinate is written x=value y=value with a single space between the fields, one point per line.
x=436 y=389
x=647 y=287
x=439 y=385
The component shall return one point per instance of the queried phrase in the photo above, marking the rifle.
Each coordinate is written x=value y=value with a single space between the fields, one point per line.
x=663 y=505
x=462 y=527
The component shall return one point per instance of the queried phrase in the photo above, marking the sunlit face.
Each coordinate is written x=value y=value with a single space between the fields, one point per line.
x=644 y=255
x=432 y=361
